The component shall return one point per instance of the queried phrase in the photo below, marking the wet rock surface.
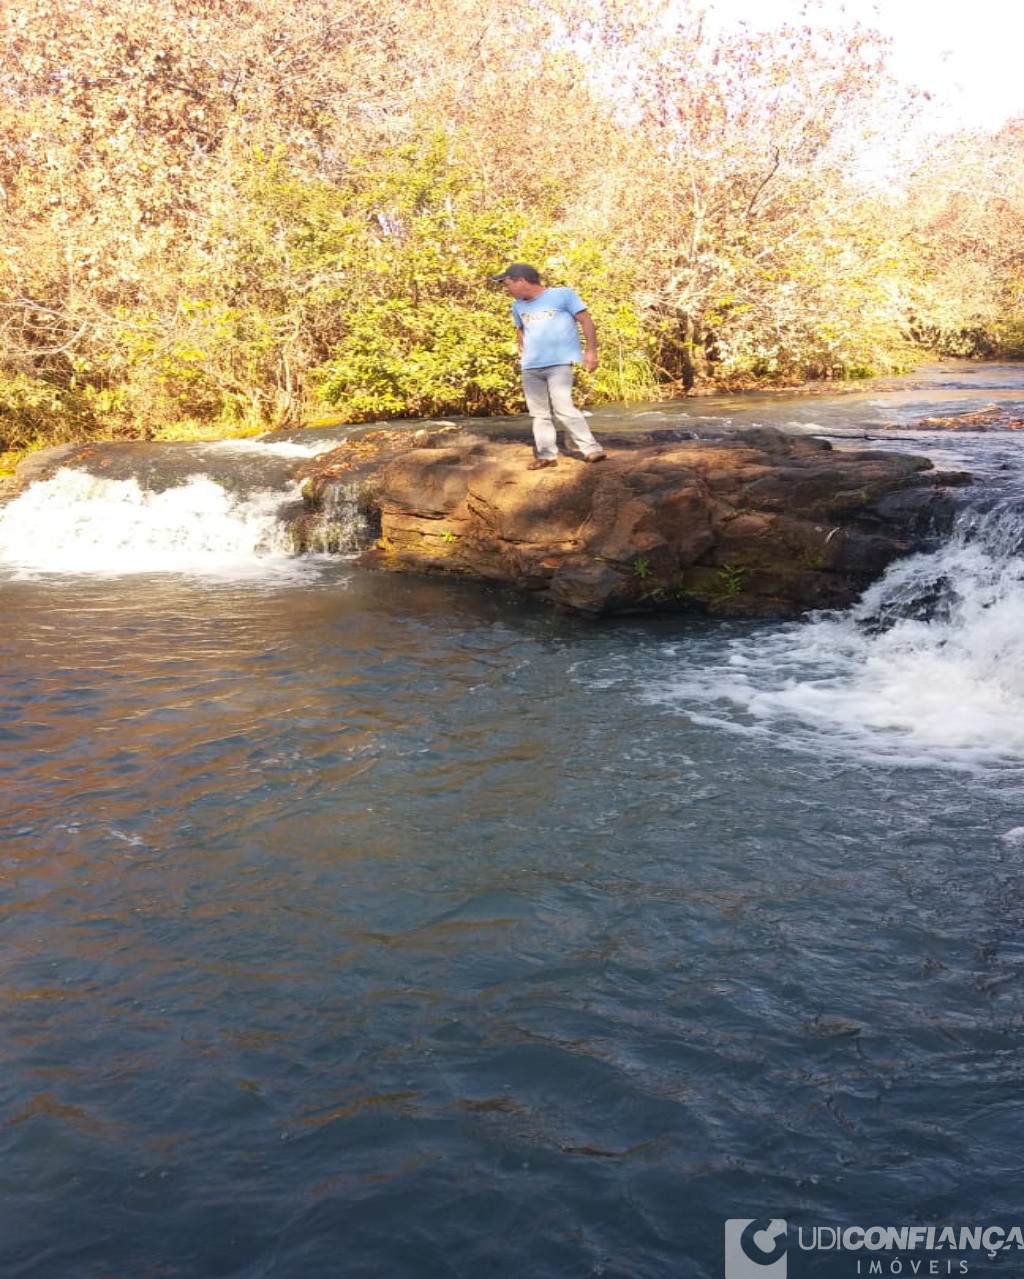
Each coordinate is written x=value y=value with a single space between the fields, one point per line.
x=758 y=524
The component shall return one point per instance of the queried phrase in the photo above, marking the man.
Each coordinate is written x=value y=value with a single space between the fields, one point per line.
x=548 y=325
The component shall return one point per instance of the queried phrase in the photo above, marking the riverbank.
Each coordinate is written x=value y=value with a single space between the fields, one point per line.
x=191 y=431
x=693 y=510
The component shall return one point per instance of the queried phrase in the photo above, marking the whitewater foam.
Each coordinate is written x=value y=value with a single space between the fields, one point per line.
x=276 y=448
x=928 y=669
x=77 y=523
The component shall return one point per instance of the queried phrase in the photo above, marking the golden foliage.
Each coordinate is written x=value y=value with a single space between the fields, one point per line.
x=215 y=211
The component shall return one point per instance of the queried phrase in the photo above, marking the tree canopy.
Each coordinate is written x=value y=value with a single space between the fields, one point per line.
x=218 y=216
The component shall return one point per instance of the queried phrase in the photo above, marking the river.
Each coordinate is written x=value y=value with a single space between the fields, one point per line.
x=359 y=925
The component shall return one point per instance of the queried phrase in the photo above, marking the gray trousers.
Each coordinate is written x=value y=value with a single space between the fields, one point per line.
x=548 y=394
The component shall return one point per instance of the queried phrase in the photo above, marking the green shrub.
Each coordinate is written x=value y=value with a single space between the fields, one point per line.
x=35 y=413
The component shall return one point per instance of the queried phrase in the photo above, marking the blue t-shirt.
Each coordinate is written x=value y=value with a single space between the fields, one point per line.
x=550 y=333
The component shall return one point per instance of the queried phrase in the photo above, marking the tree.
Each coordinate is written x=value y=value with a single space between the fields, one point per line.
x=964 y=213
x=219 y=213
x=734 y=195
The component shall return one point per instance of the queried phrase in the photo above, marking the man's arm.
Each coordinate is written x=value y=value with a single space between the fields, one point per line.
x=520 y=335
x=586 y=323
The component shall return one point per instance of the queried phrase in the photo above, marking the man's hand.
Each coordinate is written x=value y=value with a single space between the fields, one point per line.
x=590 y=359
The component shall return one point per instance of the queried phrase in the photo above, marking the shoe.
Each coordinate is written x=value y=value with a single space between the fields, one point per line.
x=542 y=462
x=595 y=457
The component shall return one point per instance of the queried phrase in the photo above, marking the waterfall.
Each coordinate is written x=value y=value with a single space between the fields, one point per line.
x=79 y=523
x=339 y=526
x=928 y=668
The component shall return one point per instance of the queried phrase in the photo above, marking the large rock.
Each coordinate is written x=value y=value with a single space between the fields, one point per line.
x=760 y=524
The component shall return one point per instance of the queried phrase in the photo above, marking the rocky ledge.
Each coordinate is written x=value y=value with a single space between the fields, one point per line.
x=756 y=524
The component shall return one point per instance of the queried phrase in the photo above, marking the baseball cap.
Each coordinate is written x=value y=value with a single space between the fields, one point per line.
x=517 y=271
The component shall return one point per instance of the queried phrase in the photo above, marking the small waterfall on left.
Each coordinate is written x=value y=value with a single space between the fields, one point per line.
x=77 y=522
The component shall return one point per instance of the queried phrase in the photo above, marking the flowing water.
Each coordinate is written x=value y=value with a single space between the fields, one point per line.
x=358 y=925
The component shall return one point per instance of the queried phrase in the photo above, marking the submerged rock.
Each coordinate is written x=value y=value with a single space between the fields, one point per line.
x=758 y=524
